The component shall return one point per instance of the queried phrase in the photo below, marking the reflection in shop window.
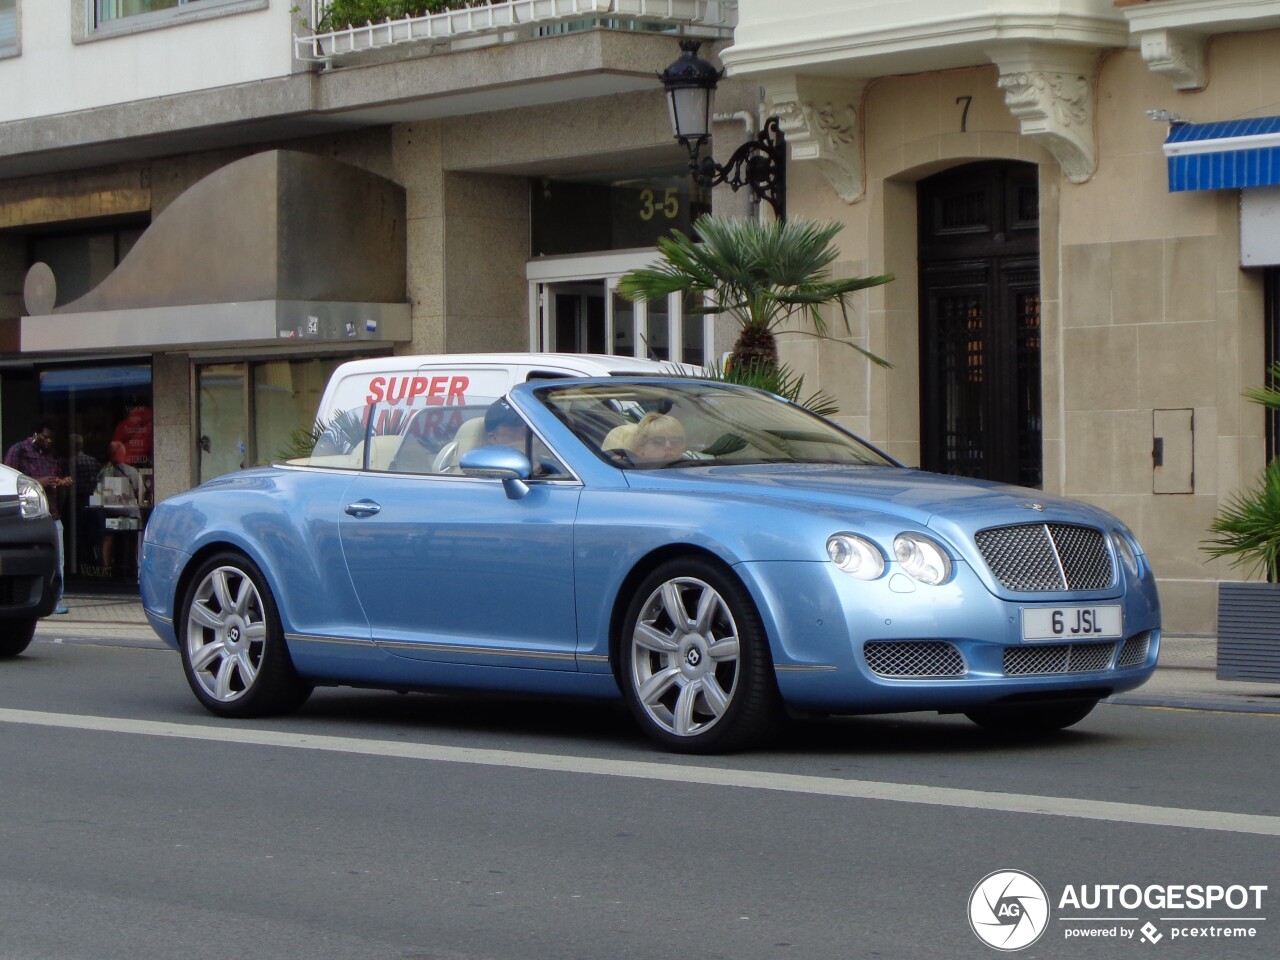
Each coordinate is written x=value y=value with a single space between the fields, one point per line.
x=286 y=394
x=255 y=413
x=223 y=419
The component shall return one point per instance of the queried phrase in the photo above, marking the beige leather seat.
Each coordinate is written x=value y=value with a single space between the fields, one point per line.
x=469 y=436
x=620 y=438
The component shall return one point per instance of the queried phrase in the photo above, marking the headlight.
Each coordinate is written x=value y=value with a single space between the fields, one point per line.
x=1125 y=549
x=31 y=498
x=855 y=555
x=923 y=559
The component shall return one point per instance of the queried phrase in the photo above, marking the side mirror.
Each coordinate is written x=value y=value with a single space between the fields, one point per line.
x=498 y=462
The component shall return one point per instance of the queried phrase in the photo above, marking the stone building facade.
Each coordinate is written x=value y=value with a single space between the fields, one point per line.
x=1060 y=316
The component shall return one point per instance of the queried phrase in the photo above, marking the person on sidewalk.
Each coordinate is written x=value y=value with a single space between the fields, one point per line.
x=34 y=456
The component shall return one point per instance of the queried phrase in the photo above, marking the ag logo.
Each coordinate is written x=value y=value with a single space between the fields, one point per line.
x=1008 y=910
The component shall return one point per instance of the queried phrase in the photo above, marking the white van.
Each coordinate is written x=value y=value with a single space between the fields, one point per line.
x=437 y=401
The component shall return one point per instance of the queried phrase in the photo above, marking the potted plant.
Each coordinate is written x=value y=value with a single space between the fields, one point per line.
x=1246 y=532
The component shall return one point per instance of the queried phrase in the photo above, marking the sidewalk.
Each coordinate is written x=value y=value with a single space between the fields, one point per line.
x=1185 y=678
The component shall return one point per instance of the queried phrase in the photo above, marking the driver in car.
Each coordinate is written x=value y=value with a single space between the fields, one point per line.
x=659 y=438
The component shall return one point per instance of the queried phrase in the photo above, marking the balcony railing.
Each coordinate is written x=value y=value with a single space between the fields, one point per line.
x=501 y=22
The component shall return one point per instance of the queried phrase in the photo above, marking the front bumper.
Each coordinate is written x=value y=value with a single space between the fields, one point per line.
x=29 y=576
x=894 y=645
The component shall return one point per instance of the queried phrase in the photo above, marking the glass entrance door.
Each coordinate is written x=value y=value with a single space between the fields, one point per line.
x=575 y=308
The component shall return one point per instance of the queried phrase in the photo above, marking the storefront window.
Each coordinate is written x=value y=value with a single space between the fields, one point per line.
x=286 y=394
x=250 y=413
x=223 y=420
x=104 y=437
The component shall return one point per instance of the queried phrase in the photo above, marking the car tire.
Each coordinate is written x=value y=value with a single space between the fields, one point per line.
x=695 y=664
x=15 y=635
x=1031 y=721
x=232 y=644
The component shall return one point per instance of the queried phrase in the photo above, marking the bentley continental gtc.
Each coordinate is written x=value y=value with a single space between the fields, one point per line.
x=712 y=555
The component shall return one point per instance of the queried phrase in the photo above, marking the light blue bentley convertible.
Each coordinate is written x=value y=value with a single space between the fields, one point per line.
x=712 y=554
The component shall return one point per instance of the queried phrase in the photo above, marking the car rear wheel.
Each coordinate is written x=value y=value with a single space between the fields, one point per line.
x=15 y=635
x=233 y=647
x=696 y=670
x=1032 y=720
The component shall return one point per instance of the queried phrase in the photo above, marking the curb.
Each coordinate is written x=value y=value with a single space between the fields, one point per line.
x=1206 y=702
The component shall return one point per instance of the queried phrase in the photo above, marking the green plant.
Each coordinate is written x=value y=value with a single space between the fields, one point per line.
x=777 y=378
x=344 y=13
x=1246 y=530
x=339 y=435
x=760 y=274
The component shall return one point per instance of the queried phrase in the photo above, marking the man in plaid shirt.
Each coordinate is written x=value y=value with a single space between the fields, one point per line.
x=34 y=457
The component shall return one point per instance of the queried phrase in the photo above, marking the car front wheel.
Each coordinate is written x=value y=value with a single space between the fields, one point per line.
x=696 y=669
x=1032 y=720
x=233 y=647
x=15 y=635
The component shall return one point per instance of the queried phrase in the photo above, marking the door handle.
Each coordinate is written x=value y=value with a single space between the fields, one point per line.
x=363 y=508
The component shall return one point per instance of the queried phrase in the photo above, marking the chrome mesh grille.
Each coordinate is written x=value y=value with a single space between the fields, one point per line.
x=1057 y=658
x=914 y=658
x=1044 y=557
x=1135 y=650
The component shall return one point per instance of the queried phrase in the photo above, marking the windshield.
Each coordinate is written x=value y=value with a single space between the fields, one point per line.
x=679 y=423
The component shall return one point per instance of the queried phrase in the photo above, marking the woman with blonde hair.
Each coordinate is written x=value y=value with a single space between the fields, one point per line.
x=659 y=437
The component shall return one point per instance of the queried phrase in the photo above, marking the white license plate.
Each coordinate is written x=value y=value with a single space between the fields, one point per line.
x=1072 y=623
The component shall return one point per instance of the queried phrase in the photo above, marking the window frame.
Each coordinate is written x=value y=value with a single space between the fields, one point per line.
x=187 y=11
x=14 y=47
x=543 y=273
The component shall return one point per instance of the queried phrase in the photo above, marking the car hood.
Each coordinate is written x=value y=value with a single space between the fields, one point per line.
x=948 y=504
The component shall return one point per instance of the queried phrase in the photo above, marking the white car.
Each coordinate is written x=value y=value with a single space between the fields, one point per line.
x=29 y=571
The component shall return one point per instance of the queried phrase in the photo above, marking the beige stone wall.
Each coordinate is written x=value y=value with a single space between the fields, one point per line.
x=1144 y=305
x=171 y=387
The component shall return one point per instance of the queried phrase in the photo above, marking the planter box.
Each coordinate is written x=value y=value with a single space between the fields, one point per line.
x=1249 y=631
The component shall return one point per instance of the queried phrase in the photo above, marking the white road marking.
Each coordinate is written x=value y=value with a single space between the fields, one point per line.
x=1134 y=813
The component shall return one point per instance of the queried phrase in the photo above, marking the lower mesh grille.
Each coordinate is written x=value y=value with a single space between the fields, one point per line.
x=1058 y=658
x=17 y=591
x=1135 y=650
x=914 y=658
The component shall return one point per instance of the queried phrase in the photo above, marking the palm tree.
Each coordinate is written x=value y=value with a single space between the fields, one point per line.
x=1246 y=529
x=761 y=274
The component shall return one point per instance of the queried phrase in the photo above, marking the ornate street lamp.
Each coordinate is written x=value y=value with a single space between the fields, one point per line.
x=760 y=164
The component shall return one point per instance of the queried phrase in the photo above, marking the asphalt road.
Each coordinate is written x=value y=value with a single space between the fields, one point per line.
x=372 y=825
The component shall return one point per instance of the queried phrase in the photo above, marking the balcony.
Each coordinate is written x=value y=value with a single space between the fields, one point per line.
x=870 y=38
x=509 y=21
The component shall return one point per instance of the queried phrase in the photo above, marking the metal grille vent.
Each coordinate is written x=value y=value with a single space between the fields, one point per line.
x=1044 y=557
x=914 y=658
x=17 y=591
x=1058 y=658
x=1135 y=650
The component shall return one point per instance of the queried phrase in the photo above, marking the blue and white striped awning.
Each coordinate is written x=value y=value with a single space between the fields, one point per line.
x=1225 y=155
